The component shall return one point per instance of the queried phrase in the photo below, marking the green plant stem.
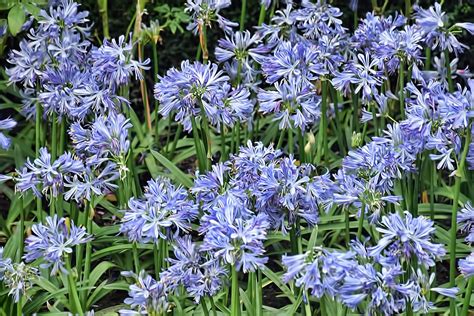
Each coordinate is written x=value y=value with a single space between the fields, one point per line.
x=19 y=306
x=401 y=86
x=203 y=42
x=237 y=140
x=207 y=133
x=73 y=296
x=38 y=132
x=261 y=16
x=202 y=161
x=347 y=226
x=301 y=144
x=87 y=265
x=177 y=135
x=454 y=212
x=432 y=180
x=280 y=139
x=156 y=260
x=54 y=137
x=322 y=135
x=355 y=112
x=290 y=141
x=204 y=306
x=155 y=77
x=104 y=16
x=258 y=294
x=361 y=221
x=467 y=297
x=407 y=8
x=235 y=299
x=62 y=136
x=136 y=262
x=243 y=13
x=448 y=70
x=428 y=58
x=223 y=151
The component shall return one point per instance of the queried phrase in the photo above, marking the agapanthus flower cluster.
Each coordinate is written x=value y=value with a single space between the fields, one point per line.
x=164 y=211
x=17 y=277
x=74 y=78
x=146 y=296
x=105 y=138
x=204 y=12
x=197 y=89
x=196 y=270
x=53 y=242
x=261 y=180
x=362 y=280
x=66 y=175
x=234 y=234
x=407 y=239
x=6 y=125
x=436 y=30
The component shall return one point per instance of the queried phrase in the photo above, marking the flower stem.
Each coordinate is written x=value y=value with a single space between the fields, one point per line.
x=203 y=42
x=448 y=70
x=38 y=132
x=467 y=297
x=87 y=265
x=401 y=82
x=104 y=16
x=454 y=212
x=263 y=13
x=235 y=299
x=301 y=144
x=322 y=136
x=361 y=222
x=202 y=161
x=243 y=13
x=73 y=296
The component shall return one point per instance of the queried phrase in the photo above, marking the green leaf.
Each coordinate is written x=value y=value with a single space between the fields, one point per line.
x=7 y=4
x=177 y=174
x=16 y=19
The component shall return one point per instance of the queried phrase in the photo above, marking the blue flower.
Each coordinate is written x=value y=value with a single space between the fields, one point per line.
x=466 y=266
x=113 y=64
x=294 y=103
x=146 y=296
x=185 y=91
x=408 y=237
x=204 y=12
x=53 y=242
x=190 y=268
x=466 y=221
x=384 y=291
x=434 y=24
x=105 y=138
x=5 y=125
x=420 y=297
x=165 y=210
x=235 y=235
x=48 y=175
x=293 y=61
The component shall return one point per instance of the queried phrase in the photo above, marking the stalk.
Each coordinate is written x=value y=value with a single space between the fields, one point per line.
x=155 y=77
x=177 y=135
x=322 y=135
x=401 y=81
x=235 y=300
x=223 y=152
x=19 y=306
x=104 y=16
x=290 y=141
x=73 y=296
x=452 y=242
x=87 y=265
x=62 y=135
x=156 y=260
x=136 y=262
x=202 y=161
x=467 y=297
x=448 y=70
x=206 y=131
x=144 y=91
x=258 y=294
x=361 y=221
x=21 y=240
x=263 y=13
x=54 y=137
x=243 y=13
x=407 y=8
x=213 y=306
x=355 y=112
x=301 y=144
x=203 y=42
x=347 y=226
x=204 y=306
x=38 y=132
